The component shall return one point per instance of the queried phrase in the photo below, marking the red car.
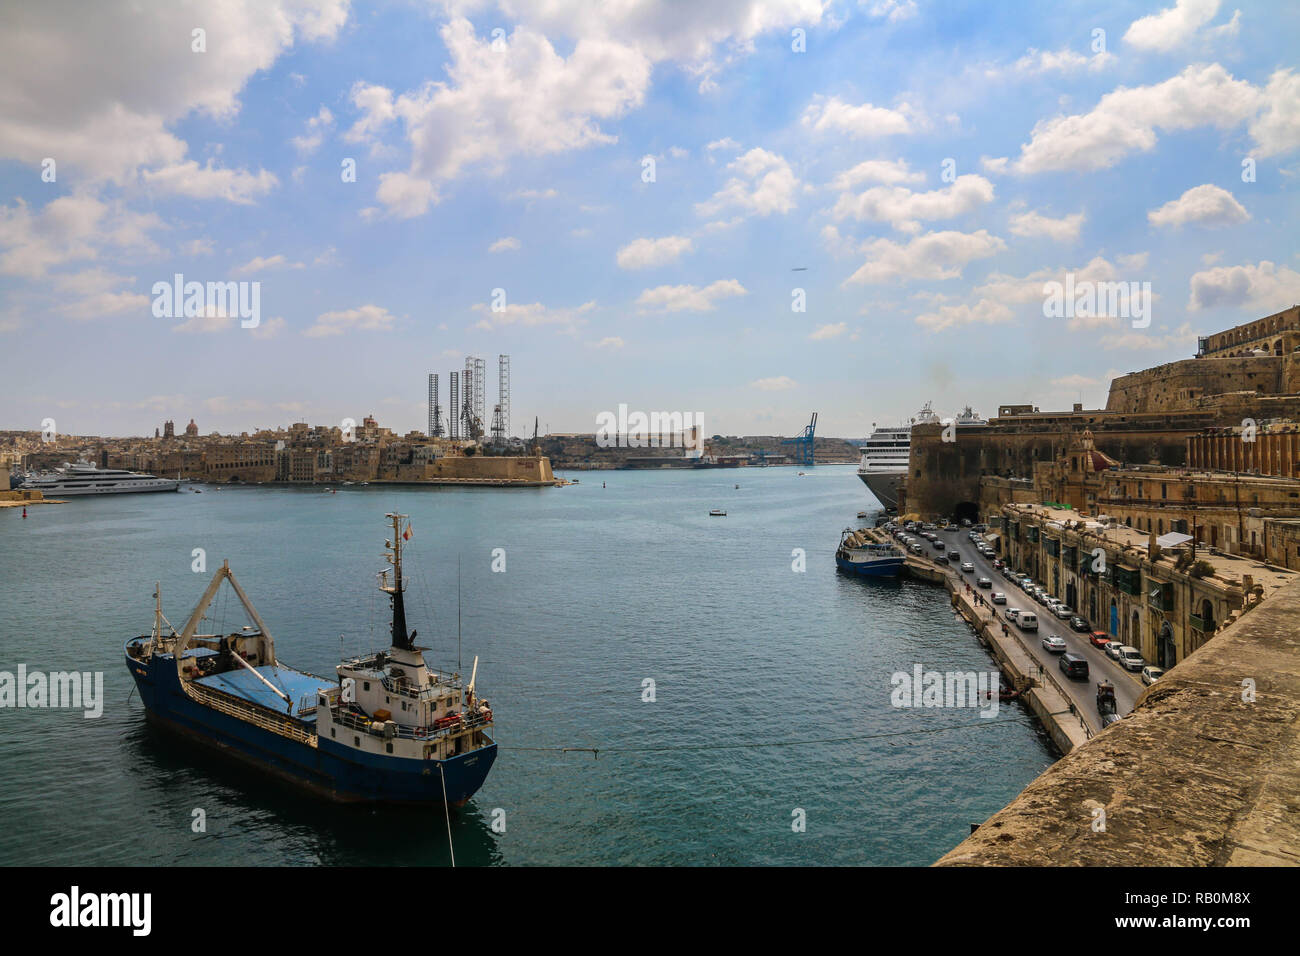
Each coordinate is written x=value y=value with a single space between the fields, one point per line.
x=1099 y=638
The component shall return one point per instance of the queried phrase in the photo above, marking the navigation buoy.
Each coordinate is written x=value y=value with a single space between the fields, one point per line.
x=24 y=511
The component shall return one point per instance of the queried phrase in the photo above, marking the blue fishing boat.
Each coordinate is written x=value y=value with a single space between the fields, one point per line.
x=858 y=554
x=387 y=728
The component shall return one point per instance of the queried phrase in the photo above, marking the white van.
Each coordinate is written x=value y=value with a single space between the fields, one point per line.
x=1027 y=620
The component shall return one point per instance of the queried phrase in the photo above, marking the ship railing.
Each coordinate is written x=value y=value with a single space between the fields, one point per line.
x=237 y=707
x=362 y=722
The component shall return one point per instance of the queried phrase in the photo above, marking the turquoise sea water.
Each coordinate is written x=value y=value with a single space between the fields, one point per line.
x=604 y=588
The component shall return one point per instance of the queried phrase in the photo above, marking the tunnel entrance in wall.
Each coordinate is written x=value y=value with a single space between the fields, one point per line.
x=967 y=509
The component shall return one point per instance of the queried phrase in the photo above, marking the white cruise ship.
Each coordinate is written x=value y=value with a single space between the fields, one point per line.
x=885 y=454
x=86 y=479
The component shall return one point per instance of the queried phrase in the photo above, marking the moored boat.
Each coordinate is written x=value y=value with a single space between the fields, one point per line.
x=858 y=554
x=387 y=728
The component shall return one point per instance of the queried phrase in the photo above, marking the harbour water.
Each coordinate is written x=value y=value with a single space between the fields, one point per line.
x=771 y=686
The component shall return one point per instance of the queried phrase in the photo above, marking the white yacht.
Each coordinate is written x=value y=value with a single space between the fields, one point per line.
x=885 y=454
x=85 y=479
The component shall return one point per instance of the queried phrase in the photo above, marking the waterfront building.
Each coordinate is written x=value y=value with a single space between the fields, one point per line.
x=1166 y=602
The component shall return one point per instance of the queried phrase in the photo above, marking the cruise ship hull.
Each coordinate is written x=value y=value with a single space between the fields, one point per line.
x=884 y=485
x=327 y=769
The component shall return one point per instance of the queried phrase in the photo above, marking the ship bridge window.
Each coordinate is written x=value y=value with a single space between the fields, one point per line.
x=367 y=685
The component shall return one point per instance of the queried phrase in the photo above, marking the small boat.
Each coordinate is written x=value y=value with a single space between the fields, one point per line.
x=737 y=487
x=717 y=513
x=863 y=514
x=858 y=554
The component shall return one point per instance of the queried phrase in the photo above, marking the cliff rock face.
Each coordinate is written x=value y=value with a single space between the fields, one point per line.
x=1195 y=776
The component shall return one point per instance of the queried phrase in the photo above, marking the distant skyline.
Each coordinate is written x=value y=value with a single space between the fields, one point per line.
x=629 y=199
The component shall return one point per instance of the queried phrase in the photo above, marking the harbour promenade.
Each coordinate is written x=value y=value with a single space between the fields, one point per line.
x=1060 y=709
x=1203 y=772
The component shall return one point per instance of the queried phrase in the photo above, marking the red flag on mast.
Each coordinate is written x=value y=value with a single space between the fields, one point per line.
x=406 y=535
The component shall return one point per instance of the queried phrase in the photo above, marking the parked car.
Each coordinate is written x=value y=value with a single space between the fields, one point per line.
x=951 y=527
x=1113 y=647
x=1098 y=638
x=940 y=559
x=1011 y=613
x=1027 y=621
x=1151 y=674
x=1074 y=666
x=967 y=567
x=1131 y=658
x=1063 y=611
x=915 y=548
x=984 y=583
x=1080 y=624
x=999 y=597
x=954 y=555
x=1054 y=644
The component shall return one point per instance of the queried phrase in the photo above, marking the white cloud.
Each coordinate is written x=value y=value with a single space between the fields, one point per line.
x=270 y=328
x=211 y=182
x=531 y=315
x=406 y=196
x=530 y=101
x=725 y=143
x=206 y=323
x=1264 y=288
x=100 y=90
x=612 y=342
x=264 y=264
x=762 y=184
x=935 y=255
x=504 y=244
x=1036 y=62
x=683 y=298
x=96 y=293
x=366 y=318
x=1127 y=119
x=903 y=209
x=1208 y=205
x=1174 y=26
x=647 y=253
x=828 y=331
x=984 y=311
x=895 y=11
x=197 y=247
x=884 y=171
x=994 y=164
x=1031 y=224
x=833 y=115
x=68 y=229
x=778 y=383
x=1183 y=338
x=314 y=134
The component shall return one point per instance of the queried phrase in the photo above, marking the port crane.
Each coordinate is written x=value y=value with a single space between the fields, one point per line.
x=803 y=443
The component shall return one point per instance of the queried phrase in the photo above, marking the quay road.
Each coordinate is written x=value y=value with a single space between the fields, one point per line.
x=1100 y=667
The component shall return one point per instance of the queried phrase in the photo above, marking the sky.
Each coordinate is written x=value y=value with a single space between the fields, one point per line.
x=745 y=209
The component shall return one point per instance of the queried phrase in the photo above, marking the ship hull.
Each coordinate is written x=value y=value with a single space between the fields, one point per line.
x=884 y=486
x=167 y=485
x=327 y=769
x=881 y=568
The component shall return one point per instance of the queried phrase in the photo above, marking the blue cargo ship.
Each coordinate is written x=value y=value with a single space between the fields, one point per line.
x=857 y=554
x=386 y=729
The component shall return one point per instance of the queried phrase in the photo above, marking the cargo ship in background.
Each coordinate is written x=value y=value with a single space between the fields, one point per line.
x=386 y=729
x=885 y=454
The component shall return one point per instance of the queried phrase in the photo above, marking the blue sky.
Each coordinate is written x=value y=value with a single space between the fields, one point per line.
x=520 y=167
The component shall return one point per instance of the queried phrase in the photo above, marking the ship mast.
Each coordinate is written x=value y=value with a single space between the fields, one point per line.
x=401 y=639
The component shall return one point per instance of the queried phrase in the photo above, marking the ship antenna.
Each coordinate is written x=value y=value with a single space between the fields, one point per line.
x=458 y=614
x=401 y=638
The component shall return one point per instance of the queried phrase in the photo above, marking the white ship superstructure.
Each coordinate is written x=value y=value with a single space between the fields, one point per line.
x=885 y=454
x=86 y=479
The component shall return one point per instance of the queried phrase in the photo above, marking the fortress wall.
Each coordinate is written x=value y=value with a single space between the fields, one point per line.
x=1178 y=385
x=1195 y=776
